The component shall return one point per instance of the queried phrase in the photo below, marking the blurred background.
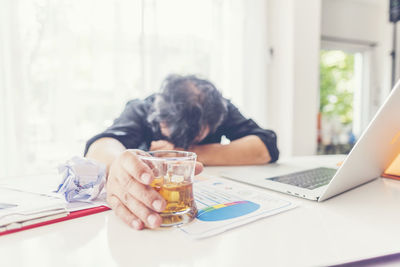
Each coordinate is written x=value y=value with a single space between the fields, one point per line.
x=314 y=71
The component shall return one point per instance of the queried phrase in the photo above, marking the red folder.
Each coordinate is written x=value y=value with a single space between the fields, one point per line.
x=70 y=216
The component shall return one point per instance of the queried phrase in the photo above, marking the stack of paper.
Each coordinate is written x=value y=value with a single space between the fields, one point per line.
x=19 y=208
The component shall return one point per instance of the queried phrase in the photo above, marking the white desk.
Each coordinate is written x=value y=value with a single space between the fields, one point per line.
x=362 y=223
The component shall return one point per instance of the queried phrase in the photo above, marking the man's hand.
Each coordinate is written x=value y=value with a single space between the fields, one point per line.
x=129 y=192
x=161 y=145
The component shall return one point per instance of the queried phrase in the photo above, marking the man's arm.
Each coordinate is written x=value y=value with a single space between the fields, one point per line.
x=128 y=180
x=105 y=150
x=248 y=150
x=250 y=144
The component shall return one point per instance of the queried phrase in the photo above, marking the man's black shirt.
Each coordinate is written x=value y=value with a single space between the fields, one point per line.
x=133 y=130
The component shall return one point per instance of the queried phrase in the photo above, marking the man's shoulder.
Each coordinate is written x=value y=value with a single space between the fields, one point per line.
x=138 y=108
x=231 y=108
x=140 y=105
x=142 y=102
x=229 y=103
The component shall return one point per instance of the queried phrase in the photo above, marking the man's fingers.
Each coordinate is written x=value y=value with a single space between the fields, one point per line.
x=155 y=145
x=136 y=168
x=124 y=213
x=135 y=207
x=161 y=145
x=149 y=217
x=198 y=168
x=131 y=210
x=145 y=194
x=120 y=176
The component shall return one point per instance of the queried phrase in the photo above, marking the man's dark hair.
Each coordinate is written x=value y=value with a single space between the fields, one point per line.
x=186 y=105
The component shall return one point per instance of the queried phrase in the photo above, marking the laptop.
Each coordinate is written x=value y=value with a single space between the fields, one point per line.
x=378 y=145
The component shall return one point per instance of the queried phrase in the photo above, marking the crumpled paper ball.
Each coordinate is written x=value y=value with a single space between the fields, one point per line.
x=82 y=179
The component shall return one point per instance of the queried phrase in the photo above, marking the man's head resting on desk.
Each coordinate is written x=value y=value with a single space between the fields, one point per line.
x=187 y=109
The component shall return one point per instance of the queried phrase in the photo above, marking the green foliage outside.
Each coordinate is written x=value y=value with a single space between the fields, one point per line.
x=336 y=85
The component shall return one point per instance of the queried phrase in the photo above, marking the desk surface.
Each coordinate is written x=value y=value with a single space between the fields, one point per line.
x=361 y=223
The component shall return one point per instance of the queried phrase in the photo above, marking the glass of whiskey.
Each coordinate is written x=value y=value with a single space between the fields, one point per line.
x=174 y=172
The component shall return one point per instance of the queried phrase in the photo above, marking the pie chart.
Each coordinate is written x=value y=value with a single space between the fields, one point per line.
x=227 y=211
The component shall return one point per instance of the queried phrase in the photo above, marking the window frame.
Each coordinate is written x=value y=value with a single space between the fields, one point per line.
x=362 y=93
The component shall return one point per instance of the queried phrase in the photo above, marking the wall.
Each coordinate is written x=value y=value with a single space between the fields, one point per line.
x=255 y=56
x=293 y=85
x=294 y=35
x=9 y=135
x=365 y=21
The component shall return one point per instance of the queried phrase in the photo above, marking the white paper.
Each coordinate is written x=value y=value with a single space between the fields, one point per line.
x=19 y=206
x=82 y=179
x=45 y=184
x=224 y=204
x=81 y=205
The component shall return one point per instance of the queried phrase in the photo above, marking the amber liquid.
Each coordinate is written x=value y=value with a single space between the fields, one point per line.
x=181 y=207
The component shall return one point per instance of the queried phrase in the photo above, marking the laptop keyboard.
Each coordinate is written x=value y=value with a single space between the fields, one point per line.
x=309 y=179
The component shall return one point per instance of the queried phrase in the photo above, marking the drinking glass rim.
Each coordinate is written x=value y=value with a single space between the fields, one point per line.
x=187 y=155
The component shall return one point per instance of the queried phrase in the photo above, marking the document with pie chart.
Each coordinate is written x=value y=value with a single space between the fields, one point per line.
x=224 y=204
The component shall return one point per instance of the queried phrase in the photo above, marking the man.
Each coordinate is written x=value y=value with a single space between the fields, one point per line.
x=190 y=114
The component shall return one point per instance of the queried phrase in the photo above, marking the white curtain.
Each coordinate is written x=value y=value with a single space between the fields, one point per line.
x=67 y=67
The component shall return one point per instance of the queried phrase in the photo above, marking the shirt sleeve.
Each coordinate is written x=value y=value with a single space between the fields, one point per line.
x=129 y=128
x=236 y=126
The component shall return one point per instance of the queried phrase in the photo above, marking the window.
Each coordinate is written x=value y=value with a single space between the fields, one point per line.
x=341 y=100
x=67 y=67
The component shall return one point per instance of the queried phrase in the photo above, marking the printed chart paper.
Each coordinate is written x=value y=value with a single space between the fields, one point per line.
x=224 y=204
